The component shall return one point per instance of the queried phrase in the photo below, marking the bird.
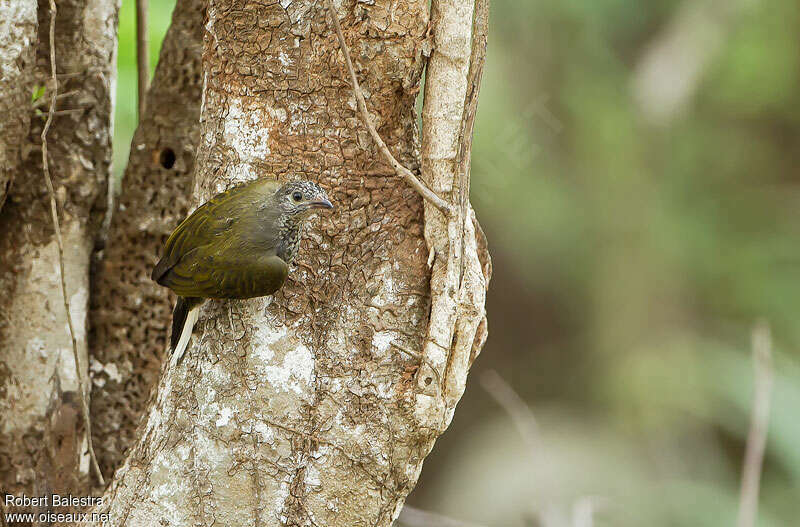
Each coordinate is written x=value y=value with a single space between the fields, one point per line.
x=239 y=244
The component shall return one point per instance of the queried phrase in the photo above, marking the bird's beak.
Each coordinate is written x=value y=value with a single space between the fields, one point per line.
x=321 y=203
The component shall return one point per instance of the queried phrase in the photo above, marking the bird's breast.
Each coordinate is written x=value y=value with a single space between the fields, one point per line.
x=289 y=242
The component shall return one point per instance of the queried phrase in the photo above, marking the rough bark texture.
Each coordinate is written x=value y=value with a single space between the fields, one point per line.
x=300 y=409
x=130 y=313
x=42 y=440
x=17 y=48
x=461 y=268
x=315 y=407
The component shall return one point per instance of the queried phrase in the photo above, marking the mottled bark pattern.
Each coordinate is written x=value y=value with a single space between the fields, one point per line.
x=461 y=267
x=130 y=313
x=17 y=49
x=42 y=441
x=301 y=409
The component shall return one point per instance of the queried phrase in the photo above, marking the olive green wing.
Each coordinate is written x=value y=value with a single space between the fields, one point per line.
x=194 y=232
x=210 y=221
x=212 y=272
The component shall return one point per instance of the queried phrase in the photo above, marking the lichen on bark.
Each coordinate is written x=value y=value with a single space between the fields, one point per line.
x=300 y=408
x=316 y=406
x=17 y=49
x=42 y=438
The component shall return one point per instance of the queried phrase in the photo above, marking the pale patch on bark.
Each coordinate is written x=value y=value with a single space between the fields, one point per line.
x=301 y=409
x=100 y=24
x=17 y=45
x=37 y=353
x=244 y=133
x=44 y=436
x=381 y=341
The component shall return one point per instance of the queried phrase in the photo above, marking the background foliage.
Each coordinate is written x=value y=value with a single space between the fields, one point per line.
x=636 y=242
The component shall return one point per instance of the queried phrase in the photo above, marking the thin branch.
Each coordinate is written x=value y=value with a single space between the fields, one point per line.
x=759 y=425
x=82 y=387
x=480 y=39
x=142 y=53
x=399 y=169
x=512 y=403
x=413 y=517
x=67 y=76
x=70 y=111
x=41 y=102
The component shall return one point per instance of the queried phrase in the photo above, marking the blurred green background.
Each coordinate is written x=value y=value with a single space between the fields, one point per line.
x=634 y=170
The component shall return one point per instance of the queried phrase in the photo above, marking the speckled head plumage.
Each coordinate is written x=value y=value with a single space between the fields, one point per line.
x=296 y=200
x=300 y=198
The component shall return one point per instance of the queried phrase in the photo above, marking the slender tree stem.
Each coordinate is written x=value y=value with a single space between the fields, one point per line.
x=480 y=40
x=142 y=53
x=516 y=408
x=82 y=385
x=759 y=424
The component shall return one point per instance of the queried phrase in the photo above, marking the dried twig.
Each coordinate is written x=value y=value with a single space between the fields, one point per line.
x=70 y=111
x=142 y=53
x=82 y=387
x=512 y=403
x=759 y=424
x=413 y=517
x=42 y=101
x=401 y=170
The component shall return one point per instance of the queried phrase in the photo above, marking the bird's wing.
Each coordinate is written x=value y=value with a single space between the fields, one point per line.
x=209 y=222
x=226 y=272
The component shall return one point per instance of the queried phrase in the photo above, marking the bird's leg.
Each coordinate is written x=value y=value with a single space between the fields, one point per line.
x=230 y=317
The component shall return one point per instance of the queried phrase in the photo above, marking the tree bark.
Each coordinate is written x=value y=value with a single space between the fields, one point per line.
x=459 y=258
x=17 y=49
x=316 y=406
x=43 y=442
x=130 y=313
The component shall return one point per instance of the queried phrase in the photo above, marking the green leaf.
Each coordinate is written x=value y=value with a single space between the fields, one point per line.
x=38 y=92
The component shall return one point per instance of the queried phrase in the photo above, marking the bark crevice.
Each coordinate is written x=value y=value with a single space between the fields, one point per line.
x=299 y=409
x=43 y=444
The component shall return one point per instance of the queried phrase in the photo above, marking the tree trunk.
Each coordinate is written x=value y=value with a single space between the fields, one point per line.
x=318 y=406
x=17 y=50
x=130 y=313
x=43 y=444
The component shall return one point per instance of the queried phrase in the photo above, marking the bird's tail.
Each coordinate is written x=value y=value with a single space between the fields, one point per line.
x=183 y=318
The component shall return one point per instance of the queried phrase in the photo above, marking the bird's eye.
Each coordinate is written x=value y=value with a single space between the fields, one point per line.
x=297 y=196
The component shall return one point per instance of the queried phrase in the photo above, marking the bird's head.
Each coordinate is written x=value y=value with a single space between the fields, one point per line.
x=300 y=198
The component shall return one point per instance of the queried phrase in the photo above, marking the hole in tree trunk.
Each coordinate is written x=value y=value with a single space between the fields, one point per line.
x=167 y=158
